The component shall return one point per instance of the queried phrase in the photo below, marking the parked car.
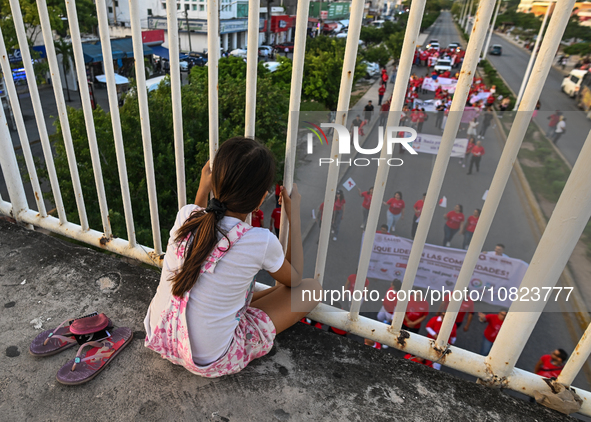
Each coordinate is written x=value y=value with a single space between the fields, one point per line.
x=443 y=65
x=496 y=50
x=371 y=69
x=378 y=24
x=184 y=66
x=571 y=84
x=197 y=59
x=342 y=34
x=239 y=52
x=272 y=66
x=286 y=47
x=266 y=51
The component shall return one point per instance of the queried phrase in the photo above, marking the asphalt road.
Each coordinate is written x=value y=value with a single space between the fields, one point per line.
x=511 y=65
x=511 y=226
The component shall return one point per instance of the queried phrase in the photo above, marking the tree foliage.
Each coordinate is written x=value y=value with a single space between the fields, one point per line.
x=323 y=69
x=271 y=112
x=86 y=11
x=379 y=54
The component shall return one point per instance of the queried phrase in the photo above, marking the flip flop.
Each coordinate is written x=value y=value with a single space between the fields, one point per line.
x=51 y=342
x=80 y=370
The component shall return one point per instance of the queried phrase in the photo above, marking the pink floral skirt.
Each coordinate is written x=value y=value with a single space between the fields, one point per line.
x=253 y=338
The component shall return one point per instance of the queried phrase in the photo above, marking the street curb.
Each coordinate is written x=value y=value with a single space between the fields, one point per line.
x=583 y=317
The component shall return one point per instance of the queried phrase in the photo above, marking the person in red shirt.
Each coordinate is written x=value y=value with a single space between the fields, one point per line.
x=421 y=120
x=386 y=314
x=434 y=326
x=417 y=208
x=385 y=77
x=383 y=229
x=454 y=219
x=468 y=228
x=495 y=321
x=550 y=366
x=381 y=92
x=350 y=286
x=469 y=147
x=395 y=211
x=257 y=219
x=416 y=312
x=477 y=153
x=338 y=214
x=419 y=359
x=367 y=195
x=275 y=220
x=278 y=192
x=446 y=74
x=467 y=307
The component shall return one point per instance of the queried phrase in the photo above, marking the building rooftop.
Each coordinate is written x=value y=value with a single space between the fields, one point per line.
x=310 y=374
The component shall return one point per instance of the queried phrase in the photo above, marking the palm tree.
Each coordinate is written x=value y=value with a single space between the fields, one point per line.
x=65 y=49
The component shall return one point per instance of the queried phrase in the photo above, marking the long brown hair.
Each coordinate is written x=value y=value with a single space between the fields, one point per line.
x=242 y=172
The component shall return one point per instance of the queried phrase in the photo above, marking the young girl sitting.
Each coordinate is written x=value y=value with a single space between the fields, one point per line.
x=205 y=315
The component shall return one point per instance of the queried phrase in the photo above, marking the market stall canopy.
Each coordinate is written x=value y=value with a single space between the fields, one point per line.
x=121 y=48
x=164 y=53
x=119 y=80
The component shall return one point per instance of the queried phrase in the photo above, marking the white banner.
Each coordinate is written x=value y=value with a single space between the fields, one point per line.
x=429 y=144
x=448 y=84
x=428 y=105
x=440 y=267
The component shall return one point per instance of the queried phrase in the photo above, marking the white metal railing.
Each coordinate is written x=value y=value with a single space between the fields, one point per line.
x=564 y=228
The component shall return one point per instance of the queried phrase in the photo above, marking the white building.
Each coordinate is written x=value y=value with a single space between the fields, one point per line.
x=192 y=20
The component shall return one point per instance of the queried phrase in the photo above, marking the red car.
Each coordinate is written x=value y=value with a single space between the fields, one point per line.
x=286 y=47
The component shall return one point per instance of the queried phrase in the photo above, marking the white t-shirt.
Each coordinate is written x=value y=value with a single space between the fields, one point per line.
x=216 y=299
x=560 y=126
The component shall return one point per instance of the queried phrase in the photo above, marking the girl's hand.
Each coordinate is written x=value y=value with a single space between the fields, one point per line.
x=205 y=182
x=288 y=201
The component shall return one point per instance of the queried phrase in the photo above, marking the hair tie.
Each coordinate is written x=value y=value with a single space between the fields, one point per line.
x=218 y=208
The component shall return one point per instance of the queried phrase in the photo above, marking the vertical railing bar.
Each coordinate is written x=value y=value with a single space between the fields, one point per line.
x=142 y=95
x=563 y=231
x=411 y=34
x=463 y=14
x=88 y=117
x=295 y=96
x=504 y=168
x=20 y=125
x=103 y=24
x=213 y=59
x=341 y=118
x=9 y=167
x=177 y=108
x=490 y=32
x=577 y=359
x=532 y=57
x=483 y=15
x=251 y=68
x=37 y=107
x=62 y=111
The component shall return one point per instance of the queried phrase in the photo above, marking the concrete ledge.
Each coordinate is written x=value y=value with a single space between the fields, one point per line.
x=309 y=375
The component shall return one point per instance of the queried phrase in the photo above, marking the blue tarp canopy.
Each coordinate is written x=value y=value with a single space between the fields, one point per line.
x=120 y=48
x=164 y=53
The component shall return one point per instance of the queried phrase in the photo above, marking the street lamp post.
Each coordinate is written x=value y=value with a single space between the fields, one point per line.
x=463 y=14
x=468 y=16
x=533 y=56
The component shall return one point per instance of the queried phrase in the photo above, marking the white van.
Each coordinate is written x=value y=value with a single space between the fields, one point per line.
x=378 y=24
x=572 y=82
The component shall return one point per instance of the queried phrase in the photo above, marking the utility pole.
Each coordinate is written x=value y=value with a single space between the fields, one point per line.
x=492 y=29
x=468 y=16
x=532 y=57
x=268 y=28
x=188 y=27
x=463 y=14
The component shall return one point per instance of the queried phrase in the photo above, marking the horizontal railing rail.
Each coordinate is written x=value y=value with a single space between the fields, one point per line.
x=564 y=228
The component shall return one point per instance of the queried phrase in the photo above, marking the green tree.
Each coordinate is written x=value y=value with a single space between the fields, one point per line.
x=272 y=112
x=65 y=49
x=394 y=44
x=322 y=74
x=86 y=11
x=380 y=55
x=574 y=30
